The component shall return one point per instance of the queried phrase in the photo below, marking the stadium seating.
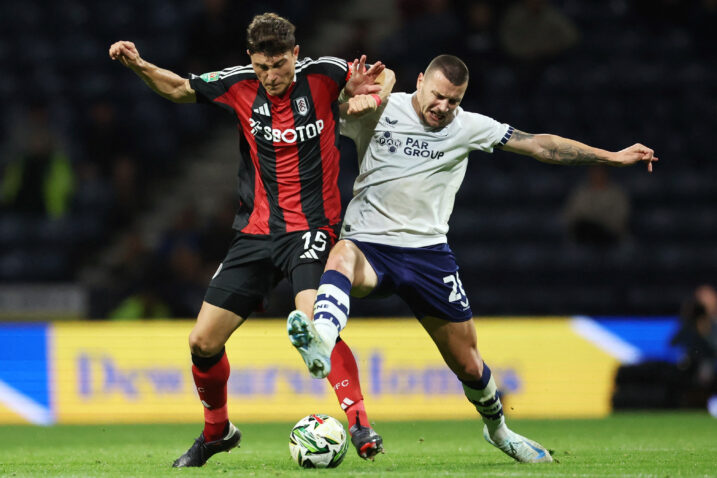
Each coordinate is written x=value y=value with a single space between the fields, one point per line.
x=625 y=82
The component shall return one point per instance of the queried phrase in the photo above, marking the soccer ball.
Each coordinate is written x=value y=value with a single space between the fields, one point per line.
x=318 y=441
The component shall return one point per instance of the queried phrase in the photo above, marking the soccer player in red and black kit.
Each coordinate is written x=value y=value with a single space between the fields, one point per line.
x=289 y=204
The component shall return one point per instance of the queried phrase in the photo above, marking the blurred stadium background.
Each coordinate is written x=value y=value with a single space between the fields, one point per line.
x=116 y=205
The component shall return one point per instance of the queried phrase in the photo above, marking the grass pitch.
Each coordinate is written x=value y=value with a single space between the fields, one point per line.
x=631 y=445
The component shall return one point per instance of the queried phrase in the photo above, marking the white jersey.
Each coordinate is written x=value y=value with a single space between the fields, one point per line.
x=409 y=173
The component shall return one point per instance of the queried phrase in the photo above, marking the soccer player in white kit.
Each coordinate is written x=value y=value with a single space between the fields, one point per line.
x=413 y=153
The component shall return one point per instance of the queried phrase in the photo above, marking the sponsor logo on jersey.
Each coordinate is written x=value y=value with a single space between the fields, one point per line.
x=263 y=110
x=421 y=149
x=385 y=139
x=288 y=135
x=301 y=105
x=412 y=148
x=211 y=76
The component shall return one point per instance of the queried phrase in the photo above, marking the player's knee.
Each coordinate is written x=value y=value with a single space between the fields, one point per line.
x=470 y=370
x=202 y=345
x=342 y=258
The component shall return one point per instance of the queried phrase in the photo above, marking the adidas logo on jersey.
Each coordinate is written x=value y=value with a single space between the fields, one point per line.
x=262 y=110
x=309 y=254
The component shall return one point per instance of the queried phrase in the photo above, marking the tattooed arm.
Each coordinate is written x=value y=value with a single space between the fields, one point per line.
x=553 y=149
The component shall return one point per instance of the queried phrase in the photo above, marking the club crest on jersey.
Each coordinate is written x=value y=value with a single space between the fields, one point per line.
x=301 y=105
x=386 y=140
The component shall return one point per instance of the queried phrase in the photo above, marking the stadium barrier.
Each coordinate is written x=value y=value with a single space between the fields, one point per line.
x=89 y=372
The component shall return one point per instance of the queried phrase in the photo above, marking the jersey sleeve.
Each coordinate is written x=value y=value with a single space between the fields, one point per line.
x=485 y=133
x=361 y=129
x=209 y=87
x=350 y=126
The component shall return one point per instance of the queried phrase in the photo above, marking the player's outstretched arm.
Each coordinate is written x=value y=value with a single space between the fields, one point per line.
x=553 y=149
x=164 y=82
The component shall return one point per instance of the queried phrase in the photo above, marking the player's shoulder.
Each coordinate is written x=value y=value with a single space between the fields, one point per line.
x=471 y=117
x=230 y=74
x=400 y=99
x=328 y=65
x=237 y=73
x=398 y=109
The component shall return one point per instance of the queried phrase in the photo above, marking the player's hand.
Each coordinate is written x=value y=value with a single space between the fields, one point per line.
x=126 y=52
x=634 y=154
x=361 y=104
x=363 y=81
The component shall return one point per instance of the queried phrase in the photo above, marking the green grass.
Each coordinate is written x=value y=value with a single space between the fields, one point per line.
x=633 y=445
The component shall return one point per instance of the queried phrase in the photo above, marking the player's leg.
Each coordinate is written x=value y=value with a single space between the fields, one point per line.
x=347 y=273
x=210 y=366
x=210 y=370
x=343 y=375
x=344 y=379
x=239 y=285
x=336 y=358
x=345 y=267
x=435 y=294
x=458 y=345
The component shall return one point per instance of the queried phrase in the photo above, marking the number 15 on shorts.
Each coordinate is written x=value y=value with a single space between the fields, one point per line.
x=315 y=241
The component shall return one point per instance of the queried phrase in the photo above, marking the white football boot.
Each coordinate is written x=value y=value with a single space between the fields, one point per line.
x=520 y=448
x=303 y=335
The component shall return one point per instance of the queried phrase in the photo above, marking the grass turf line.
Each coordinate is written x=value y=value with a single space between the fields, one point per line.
x=629 y=445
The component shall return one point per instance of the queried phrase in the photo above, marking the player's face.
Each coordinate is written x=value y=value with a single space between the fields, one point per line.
x=437 y=99
x=276 y=73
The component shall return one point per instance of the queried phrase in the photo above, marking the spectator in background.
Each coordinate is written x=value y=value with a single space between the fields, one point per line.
x=105 y=135
x=133 y=284
x=216 y=236
x=127 y=188
x=481 y=45
x=38 y=176
x=185 y=281
x=179 y=254
x=707 y=296
x=93 y=195
x=184 y=231
x=690 y=382
x=533 y=33
x=146 y=303
x=697 y=337
x=134 y=262
x=597 y=212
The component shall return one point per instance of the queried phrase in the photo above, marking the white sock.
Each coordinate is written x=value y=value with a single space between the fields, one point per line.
x=331 y=309
x=487 y=403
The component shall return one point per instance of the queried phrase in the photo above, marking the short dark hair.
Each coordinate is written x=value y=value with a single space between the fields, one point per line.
x=270 y=34
x=452 y=68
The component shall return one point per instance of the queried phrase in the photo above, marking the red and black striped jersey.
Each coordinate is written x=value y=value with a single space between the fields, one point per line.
x=289 y=144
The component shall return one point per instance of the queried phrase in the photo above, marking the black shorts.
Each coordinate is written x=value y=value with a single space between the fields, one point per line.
x=255 y=264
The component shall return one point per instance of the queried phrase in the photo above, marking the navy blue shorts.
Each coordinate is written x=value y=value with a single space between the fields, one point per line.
x=426 y=278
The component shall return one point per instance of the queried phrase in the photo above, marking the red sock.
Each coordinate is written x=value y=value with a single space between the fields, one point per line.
x=212 y=389
x=344 y=378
